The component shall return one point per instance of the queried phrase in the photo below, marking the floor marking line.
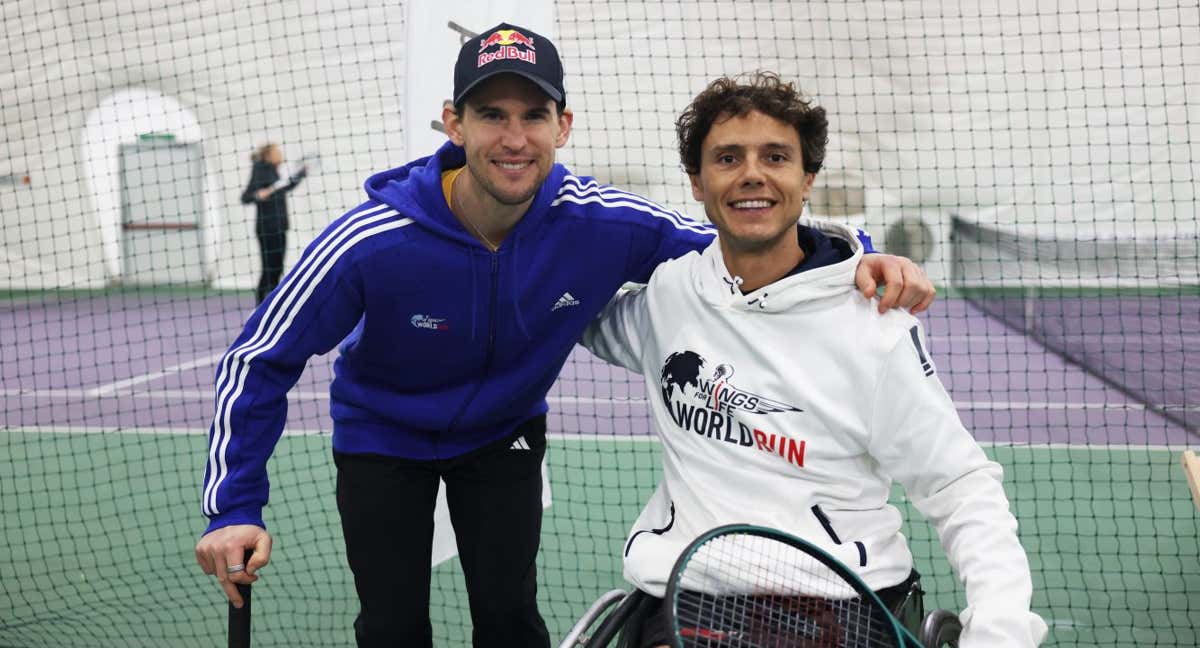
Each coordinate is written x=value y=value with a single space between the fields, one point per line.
x=112 y=388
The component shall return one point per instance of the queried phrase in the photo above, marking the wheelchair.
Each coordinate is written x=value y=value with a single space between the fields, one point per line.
x=937 y=629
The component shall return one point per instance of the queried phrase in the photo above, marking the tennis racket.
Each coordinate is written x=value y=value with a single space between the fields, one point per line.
x=312 y=161
x=752 y=587
x=239 y=619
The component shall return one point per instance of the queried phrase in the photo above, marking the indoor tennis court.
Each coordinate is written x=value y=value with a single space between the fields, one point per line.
x=1038 y=162
x=97 y=516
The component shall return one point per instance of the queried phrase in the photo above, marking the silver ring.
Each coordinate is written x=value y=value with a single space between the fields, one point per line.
x=233 y=569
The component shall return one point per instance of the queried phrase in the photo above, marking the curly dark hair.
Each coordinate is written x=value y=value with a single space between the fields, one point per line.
x=762 y=91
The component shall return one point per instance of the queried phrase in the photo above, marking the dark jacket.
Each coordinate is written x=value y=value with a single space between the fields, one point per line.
x=445 y=346
x=273 y=211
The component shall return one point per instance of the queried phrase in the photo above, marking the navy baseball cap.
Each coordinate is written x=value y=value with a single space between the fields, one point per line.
x=509 y=49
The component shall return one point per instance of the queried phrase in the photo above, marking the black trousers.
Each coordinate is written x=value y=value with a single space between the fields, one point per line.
x=495 y=501
x=272 y=240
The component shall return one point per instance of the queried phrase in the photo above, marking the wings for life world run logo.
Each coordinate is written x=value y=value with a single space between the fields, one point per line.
x=431 y=323
x=708 y=405
x=511 y=44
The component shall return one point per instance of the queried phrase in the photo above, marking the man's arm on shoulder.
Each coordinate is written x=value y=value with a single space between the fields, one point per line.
x=657 y=234
x=905 y=284
x=614 y=336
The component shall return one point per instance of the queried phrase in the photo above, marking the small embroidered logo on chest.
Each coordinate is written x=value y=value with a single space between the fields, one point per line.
x=430 y=323
x=566 y=300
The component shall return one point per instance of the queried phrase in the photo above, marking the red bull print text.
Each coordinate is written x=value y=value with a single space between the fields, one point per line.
x=510 y=43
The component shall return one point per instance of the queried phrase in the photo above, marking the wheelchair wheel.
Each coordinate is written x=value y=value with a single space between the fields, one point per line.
x=625 y=607
x=940 y=628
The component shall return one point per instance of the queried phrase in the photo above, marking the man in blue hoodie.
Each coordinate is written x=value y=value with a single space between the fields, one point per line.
x=456 y=293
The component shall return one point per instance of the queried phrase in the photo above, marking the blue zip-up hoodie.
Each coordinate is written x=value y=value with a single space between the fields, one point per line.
x=445 y=345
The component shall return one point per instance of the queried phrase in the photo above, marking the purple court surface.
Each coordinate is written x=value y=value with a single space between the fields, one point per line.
x=146 y=364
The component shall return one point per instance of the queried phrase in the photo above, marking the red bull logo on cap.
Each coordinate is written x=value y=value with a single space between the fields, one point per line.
x=510 y=43
x=506 y=37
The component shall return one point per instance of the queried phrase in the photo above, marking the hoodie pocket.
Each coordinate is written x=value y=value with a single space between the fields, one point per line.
x=670 y=523
x=829 y=530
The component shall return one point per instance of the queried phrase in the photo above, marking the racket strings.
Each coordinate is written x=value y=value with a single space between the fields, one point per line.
x=747 y=591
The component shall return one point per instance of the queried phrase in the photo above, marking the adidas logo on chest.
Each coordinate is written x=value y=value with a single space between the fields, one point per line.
x=566 y=300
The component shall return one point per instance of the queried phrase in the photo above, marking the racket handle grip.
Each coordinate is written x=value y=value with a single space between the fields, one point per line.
x=239 y=618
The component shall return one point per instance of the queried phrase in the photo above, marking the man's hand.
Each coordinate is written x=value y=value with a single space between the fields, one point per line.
x=905 y=282
x=263 y=194
x=219 y=551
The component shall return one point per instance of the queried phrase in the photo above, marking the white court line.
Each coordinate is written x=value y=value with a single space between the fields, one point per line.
x=144 y=378
x=193 y=395
x=962 y=405
x=160 y=394
x=120 y=385
x=1122 y=340
x=653 y=438
x=558 y=436
x=163 y=394
x=1017 y=405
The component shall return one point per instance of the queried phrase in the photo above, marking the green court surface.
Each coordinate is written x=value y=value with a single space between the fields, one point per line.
x=99 y=528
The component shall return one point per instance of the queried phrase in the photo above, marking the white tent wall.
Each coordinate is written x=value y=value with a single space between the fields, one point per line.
x=436 y=30
x=1079 y=117
x=314 y=77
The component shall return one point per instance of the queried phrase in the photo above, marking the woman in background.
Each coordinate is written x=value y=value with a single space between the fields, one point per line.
x=269 y=194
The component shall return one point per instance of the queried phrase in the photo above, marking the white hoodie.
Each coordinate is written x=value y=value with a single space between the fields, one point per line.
x=795 y=407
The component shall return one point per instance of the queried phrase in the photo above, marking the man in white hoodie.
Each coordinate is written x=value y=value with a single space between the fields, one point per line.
x=784 y=398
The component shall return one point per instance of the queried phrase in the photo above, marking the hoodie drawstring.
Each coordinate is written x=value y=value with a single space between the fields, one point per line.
x=734 y=289
x=733 y=284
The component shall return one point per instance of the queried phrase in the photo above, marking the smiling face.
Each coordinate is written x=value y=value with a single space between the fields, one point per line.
x=752 y=182
x=509 y=129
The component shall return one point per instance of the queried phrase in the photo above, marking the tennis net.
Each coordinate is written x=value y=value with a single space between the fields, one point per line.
x=128 y=265
x=1126 y=310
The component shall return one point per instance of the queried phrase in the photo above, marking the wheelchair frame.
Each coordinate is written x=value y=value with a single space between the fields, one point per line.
x=937 y=629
